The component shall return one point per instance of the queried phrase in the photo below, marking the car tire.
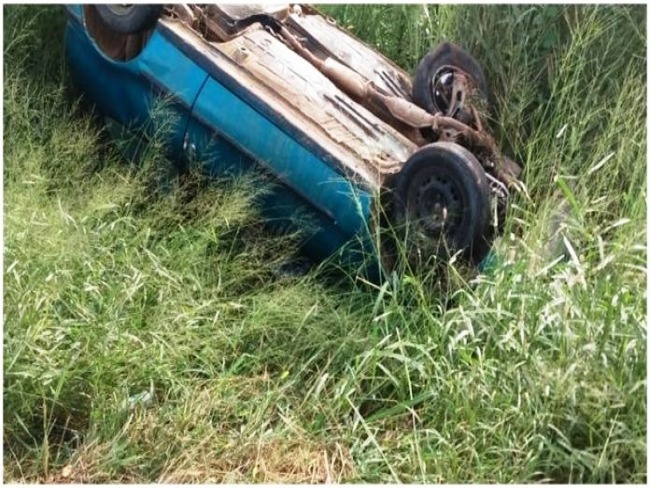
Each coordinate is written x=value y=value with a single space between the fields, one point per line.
x=129 y=18
x=442 y=204
x=444 y=58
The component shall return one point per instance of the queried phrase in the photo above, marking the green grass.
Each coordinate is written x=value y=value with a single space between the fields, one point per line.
x=114 y=287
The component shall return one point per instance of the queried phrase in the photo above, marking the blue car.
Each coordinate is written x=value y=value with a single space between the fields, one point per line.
x=398 y=169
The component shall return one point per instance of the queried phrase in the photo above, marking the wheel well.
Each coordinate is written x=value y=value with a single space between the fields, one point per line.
x=114 y=45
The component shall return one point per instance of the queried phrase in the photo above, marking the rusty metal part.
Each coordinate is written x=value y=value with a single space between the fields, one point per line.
x=452 y=88
x=225 y=22
x=403 y=115
x=325 y=39
x=359 y=143
x=456 y=94
x=211 y=29
x=477 y=118
x=185 y=13
x=399 y=109
x=409 y=115
x=390 y=108
x=508 y=171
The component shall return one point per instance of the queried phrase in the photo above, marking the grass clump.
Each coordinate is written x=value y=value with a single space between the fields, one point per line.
x=148 y=335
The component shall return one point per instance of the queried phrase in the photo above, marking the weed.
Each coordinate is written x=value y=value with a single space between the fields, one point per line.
x=118 y=287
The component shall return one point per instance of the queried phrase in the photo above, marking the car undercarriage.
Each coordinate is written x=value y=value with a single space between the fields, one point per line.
x=362 y=109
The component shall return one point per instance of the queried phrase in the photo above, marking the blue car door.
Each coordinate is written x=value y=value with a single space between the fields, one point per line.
x=150 y=93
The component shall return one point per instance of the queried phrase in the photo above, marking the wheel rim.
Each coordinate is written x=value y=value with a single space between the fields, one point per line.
x=442 y=85
x=438 y=208
x=436 y=204
x=450 y=90
x=435 y=211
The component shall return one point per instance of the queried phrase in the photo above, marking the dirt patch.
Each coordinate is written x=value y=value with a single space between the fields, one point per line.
x=274 y=461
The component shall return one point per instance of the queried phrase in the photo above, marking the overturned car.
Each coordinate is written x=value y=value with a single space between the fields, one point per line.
x=399 y=169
